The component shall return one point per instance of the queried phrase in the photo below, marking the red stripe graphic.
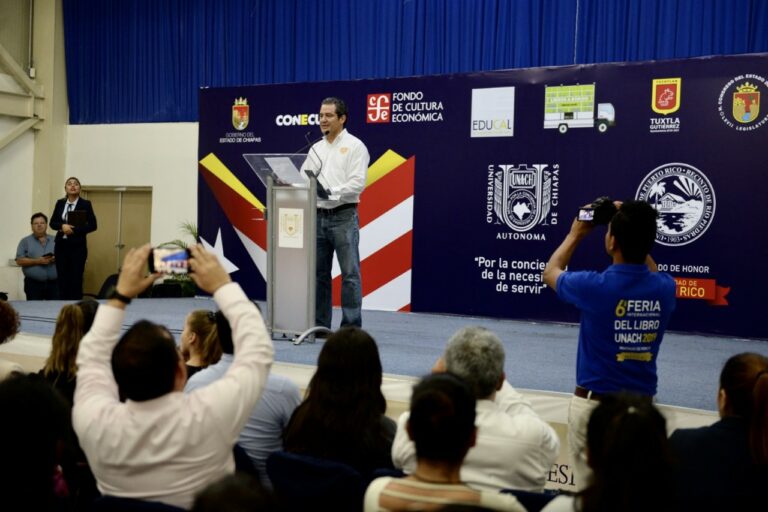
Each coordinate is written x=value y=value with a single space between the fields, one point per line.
x=387 y=192
x=381 y=267
x=239 y=212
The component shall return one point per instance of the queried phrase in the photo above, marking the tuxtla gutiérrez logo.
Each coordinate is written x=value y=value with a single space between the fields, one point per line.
x=665 y=100
x=684 y=198
x=522 y=197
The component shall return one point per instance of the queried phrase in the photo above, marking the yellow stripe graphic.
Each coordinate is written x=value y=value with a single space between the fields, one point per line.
x=386 y=163
x=218 y=169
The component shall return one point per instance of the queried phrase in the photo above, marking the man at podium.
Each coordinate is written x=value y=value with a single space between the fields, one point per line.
x=340 y=163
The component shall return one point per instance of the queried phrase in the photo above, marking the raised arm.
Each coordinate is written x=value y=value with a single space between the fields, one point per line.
x=563 y=254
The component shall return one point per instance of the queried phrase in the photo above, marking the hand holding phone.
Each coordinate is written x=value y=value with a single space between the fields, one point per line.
x=169 y=261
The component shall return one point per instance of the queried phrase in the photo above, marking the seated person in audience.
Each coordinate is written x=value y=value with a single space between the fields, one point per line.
x=60 y=369
x=342 y=417
x=34 y=429
x=727 y=462
x=629 y=455
x=235 y=493
x=199 y=342
x=515 y=449
x=161 y=444
x=9 y=327
x=263 y=432
x=442 y=427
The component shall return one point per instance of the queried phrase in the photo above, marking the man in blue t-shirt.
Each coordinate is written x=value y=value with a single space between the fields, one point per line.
x=35 y=257
x=624 y=312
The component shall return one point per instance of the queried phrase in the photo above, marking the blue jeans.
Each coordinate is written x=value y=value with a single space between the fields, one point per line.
x=338 y=231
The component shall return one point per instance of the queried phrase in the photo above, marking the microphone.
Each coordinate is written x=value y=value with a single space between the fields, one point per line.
x=321 y=192
x=309 y=142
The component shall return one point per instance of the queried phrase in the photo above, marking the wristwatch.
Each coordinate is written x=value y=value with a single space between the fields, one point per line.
x=114 y=294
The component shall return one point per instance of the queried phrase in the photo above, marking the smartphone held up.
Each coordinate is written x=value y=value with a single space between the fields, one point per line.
x=169 y=260
x=586 y=214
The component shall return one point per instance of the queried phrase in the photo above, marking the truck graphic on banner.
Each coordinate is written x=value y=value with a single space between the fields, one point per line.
x=573 y=106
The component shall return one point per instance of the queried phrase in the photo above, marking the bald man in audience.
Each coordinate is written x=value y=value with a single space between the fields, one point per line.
x=144 y=438
x=515 y=449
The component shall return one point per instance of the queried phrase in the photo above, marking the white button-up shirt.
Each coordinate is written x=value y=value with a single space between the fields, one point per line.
x=169 y=448
x=343 y=167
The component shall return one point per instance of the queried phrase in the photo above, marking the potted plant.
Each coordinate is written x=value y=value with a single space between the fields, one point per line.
x=188 y=288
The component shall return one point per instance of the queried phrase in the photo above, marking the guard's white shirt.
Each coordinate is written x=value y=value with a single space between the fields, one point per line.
x=343 y=167
x=515 y=448
x=172 y=447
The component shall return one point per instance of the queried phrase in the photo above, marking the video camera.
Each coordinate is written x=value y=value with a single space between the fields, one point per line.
x=600 y=212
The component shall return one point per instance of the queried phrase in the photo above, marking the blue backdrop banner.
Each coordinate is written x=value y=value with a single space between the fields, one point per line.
x=476 y=178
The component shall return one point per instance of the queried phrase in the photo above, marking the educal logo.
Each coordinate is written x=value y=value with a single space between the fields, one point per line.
x=522 y=197
x=739 y=102
x=493 y=112
x=684 y=198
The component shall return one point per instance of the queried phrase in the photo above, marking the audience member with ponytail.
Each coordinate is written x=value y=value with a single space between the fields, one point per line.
x=630 y=458
x=60 y=370
x=727 y=462
x=199 y=341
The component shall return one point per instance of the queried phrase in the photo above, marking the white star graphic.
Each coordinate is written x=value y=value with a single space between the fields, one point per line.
x=218 y=250
x=257 y=254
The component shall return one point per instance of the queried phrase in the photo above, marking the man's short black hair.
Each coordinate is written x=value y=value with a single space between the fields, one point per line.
x=634 y=228
x=341 y=107
x=36 y=215
x=144 y=362
x=442 y=418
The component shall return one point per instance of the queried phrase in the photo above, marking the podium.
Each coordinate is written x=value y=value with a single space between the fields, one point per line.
x=291 y=242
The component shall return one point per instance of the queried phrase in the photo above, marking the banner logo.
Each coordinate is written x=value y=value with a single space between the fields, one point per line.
x=403 y=107
x=297 y=120
x=573 y=106
x=240 y=114
x=521 y=196
x=685 y=200
x=739 y=102
x=378 y=108
x=746 y=103
x=493 y=112
x=666 y=95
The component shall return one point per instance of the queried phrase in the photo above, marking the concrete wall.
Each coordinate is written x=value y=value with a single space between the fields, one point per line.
x=16 y=164
x=161 y=156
